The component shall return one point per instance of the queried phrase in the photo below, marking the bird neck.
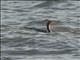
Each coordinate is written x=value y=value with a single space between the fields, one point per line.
x=48 y=26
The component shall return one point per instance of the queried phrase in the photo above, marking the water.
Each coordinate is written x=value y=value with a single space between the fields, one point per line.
x=24 y=35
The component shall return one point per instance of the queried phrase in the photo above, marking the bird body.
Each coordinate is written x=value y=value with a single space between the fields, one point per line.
x=53 y=25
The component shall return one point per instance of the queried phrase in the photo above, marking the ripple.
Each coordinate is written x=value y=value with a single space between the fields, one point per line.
x=23 y=30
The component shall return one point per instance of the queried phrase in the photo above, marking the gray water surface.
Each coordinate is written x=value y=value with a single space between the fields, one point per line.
x=24 y=35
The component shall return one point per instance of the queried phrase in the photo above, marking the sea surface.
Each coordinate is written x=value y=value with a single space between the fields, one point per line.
x=24 y=35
